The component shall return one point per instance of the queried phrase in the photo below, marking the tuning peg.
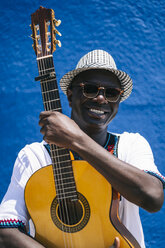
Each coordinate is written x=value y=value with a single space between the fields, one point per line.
x=58 y=42
x=33 y=46
x=57 y=22
x=31 y=27
x=57 y=32
x=31 y=36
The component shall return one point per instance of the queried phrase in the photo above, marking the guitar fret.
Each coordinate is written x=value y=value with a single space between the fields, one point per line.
x=51 y=68
x=61 y=171
x=47 y=80
x=49 y=85
x=49 y=91
x=60 y=168
x=52 y=97
x=51 y=100
x=58 y=149
x=65 y=178
x=64 y=173
x=66 y=193
x=62 y=151
x=65 y=161
x=57 y=109
x=65 y=188
x=71 y=196
x=62 y=158
x=63 y=168
x=65 y=156
x=48 y=108
x=63 y=184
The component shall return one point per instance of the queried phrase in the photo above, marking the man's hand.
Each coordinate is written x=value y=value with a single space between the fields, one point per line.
x=59 y=129
x=116 y=243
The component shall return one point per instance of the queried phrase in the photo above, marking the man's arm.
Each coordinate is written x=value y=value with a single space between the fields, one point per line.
x=135 y=185
x=132 y=183
x=13 y=238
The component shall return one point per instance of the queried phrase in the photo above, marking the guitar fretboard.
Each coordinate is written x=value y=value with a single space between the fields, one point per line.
x=49 y=87
x=61 y=162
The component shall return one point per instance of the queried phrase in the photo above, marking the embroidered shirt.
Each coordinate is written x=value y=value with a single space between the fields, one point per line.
x=131 y=148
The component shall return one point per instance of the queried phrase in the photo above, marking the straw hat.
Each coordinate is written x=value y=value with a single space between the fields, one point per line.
x=98 y=59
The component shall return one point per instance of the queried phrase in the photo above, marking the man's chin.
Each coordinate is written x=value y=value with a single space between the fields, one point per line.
x=96 y=123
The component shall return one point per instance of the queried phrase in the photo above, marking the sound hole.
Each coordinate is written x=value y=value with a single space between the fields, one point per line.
x=70 y=216
x=70 y=212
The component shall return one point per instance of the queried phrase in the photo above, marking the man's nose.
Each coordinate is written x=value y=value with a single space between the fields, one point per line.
x=100 y=98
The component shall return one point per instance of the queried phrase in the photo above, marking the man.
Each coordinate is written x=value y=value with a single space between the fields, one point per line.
x=94 y=90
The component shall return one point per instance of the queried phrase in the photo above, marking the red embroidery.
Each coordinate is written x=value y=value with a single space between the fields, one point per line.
x=11 y=223
x=110 y=148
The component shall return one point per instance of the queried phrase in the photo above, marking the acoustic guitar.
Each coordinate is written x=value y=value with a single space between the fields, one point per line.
x=70 y=203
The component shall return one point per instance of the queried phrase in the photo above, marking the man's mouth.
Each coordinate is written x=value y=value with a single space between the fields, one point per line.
x=97 y=111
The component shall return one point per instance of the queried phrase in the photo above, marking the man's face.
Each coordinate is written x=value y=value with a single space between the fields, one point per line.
x=94 y=113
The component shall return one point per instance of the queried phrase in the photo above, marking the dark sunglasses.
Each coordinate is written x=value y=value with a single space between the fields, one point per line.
x=92 y=91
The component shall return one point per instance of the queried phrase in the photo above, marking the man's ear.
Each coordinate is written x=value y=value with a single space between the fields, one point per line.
x=69 y=96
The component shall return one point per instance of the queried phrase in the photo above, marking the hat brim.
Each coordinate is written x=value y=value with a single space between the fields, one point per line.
x=124 y=78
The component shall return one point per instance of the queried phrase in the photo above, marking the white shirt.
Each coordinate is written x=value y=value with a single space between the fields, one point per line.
x=132 y=148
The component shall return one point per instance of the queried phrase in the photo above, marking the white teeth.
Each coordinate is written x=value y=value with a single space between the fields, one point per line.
x=97 y=111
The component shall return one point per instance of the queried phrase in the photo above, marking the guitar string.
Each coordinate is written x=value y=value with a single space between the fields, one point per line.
x=54 y=150
x=74 y=213
x=64 y=205
x=58 y=156
x=56 y=94
x=50 y=106
x=55 y=108
x=47 y=106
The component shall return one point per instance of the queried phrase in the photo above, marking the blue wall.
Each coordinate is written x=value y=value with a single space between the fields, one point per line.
x=132 y=31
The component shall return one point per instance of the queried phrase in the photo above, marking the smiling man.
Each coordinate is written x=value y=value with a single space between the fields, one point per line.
x=94 y=90
x=99 y=104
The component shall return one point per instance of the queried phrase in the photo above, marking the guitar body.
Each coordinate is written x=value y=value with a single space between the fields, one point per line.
x=93 y=230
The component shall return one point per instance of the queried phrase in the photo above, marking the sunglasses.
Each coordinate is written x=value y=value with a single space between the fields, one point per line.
x=91 y=91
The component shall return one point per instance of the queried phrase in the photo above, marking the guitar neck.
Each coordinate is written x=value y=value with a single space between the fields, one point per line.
x=49 y=87
x=61 y=162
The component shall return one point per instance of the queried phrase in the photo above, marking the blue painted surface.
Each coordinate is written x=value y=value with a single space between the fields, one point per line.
x=132 y=31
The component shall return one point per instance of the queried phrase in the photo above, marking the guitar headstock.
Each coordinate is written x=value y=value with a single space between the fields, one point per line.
x=43 y=25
